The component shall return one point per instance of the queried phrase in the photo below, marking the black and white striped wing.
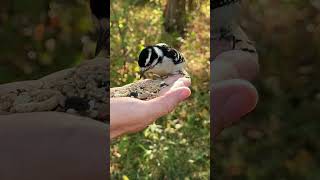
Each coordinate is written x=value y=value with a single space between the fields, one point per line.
x=177 y=56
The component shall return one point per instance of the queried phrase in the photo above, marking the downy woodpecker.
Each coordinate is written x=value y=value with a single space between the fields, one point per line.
x=162 y=60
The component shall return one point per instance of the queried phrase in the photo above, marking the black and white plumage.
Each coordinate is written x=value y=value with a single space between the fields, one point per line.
x=226 y=33
x=162 y=60
x=100 y=10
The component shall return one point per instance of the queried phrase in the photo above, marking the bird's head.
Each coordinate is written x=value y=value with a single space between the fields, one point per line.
x=149 y=57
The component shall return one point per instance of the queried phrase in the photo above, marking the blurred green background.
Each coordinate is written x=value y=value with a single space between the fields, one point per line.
x=280 y=139
x=39 y=37
x=176 y=146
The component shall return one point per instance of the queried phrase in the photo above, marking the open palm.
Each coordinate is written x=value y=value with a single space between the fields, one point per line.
x=129 y=115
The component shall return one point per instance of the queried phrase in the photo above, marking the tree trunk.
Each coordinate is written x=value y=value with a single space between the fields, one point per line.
x=175 y=16
x=192 y=5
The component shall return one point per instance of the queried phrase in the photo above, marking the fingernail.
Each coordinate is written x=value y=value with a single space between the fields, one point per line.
x=184 y=94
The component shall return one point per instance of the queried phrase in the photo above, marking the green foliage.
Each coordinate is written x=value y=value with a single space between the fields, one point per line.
x=176 y=146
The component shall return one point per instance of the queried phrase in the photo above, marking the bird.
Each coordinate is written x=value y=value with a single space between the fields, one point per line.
x=100 y=10
x=226 y=33
x=161 y=60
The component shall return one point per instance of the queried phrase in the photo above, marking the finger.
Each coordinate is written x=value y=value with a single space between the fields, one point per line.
x=235 y=64
x=166 y=103
x=172 y=79
x=181 y=82
x=246 y=63
x=230 y=100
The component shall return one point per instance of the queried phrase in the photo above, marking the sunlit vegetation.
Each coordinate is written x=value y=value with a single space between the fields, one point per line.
x=176 y=146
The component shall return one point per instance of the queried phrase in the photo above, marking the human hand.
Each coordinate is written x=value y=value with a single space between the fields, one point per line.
x=130 y=115
x=47 y=140
x=233 y=96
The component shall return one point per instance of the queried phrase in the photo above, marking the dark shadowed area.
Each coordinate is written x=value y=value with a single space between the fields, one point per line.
x=279 y=140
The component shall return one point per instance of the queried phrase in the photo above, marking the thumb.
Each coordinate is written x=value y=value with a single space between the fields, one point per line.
x=166 y=103
x=230 y=100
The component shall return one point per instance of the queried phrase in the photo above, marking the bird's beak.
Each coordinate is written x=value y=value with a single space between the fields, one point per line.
x=102 y=42
x=142 y=71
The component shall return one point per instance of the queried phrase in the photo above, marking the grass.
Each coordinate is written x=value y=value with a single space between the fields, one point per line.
x=177 y=145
